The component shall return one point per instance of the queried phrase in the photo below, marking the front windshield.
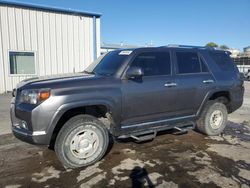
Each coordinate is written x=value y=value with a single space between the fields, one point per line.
x=107 y=64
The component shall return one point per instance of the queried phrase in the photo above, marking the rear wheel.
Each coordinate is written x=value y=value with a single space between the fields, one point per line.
x=82 y=141
x=213 y=118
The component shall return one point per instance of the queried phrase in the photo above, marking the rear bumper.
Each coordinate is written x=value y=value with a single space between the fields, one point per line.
x=236 y=99
x=235 y=105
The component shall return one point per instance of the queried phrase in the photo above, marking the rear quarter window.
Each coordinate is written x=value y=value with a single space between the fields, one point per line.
x=223 y=60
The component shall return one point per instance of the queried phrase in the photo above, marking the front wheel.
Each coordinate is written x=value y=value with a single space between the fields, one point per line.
x=213 y=118
x=82 y=141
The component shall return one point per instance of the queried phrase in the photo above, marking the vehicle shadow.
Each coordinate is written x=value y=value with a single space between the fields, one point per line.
x=139 y=177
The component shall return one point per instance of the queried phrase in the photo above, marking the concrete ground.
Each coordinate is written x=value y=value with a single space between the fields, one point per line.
x=189 y=160
x=4 y=113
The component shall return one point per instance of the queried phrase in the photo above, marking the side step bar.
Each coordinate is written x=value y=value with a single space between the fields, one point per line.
x=184 y=129
x=151 y=134
x=144 y=137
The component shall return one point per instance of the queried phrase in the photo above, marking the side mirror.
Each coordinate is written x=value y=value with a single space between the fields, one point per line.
x=134 y=72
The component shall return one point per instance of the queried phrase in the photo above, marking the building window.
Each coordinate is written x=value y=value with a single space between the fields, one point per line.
x=22 y=63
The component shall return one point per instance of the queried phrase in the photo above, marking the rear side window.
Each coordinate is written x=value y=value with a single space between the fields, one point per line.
x=153 y=63
x=188 y=62
x=203 y=65
x=222 y=60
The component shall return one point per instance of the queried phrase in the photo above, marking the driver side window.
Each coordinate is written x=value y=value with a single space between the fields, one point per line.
x=153 y=63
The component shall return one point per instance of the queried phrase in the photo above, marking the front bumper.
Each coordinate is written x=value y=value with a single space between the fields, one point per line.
x=32 y=138
x=24 y=134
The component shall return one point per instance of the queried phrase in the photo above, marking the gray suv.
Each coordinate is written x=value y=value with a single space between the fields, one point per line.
x=128 y=93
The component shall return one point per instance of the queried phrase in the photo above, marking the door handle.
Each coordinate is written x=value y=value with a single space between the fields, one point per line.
x=170 y=85
x=208 y=81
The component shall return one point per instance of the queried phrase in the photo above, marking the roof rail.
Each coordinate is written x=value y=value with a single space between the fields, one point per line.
x=189 y=46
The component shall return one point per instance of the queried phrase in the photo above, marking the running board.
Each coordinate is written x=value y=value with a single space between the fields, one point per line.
x=184 y=129
x=144 y=137
x=141 y=136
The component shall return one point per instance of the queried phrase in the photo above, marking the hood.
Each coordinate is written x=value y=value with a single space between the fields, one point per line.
x=54 y=78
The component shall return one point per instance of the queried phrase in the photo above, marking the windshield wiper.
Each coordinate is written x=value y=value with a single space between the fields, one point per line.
x=105 y=74
x=92 y=72
x=89 y=72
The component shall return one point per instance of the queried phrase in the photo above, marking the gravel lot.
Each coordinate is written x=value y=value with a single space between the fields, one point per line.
x=189 y=160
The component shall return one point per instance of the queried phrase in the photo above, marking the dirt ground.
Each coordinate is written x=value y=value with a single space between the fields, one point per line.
x=188 y=160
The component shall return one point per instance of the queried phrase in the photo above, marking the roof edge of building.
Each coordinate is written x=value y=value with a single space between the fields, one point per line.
x=49 y=8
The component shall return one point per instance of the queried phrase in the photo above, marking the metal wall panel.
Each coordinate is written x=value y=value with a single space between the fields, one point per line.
x=98 y=36
x=2 y=68
x=82 y=43
x=59 y=43
x=62 y=43
x=40 y=65
x=52 y=34
x=5 y=46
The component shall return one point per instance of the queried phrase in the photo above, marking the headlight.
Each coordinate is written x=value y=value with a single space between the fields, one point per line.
x=35 y=96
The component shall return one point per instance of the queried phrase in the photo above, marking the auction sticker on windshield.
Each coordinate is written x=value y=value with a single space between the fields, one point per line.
x=125 y=52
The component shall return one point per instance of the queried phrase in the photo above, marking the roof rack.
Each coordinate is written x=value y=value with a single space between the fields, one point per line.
x=189 y=46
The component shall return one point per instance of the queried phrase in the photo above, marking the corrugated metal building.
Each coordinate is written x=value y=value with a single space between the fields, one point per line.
x=37 y=41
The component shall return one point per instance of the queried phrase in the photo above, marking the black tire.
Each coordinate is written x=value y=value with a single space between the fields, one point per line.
x=204 y=124
x=70 y=130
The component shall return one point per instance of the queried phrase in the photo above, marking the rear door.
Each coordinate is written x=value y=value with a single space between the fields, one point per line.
x=193 y=79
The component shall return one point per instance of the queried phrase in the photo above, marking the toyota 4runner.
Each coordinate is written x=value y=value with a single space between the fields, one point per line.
x=127 y=93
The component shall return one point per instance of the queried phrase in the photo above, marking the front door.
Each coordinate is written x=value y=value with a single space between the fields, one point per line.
x=152 y=96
